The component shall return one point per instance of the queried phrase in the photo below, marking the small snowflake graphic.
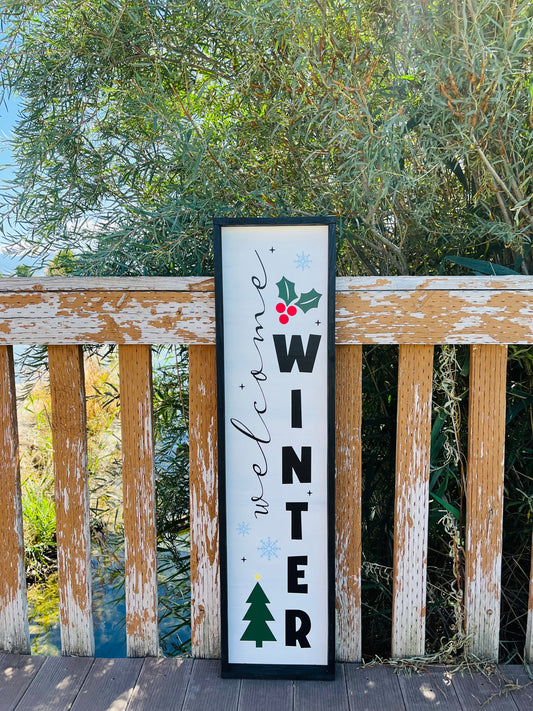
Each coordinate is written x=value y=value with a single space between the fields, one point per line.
x=243 y=529
x=268 y=549
x=303 y=261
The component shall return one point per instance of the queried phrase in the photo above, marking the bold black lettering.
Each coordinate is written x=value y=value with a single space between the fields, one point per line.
x=294 y=573
x=290 y=463
x=296 y=508
x=296 y=408
x=286 y=359
x=293 y=635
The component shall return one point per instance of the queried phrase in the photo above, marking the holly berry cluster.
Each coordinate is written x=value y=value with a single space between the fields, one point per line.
x=287 y=294
x=285 y=312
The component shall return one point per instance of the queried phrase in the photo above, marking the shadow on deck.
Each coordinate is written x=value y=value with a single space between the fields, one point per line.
x=86 y=684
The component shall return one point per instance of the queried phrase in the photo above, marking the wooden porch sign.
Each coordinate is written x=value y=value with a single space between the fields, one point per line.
x=275 y=354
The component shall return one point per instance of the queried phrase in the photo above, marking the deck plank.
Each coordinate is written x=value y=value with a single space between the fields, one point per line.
x=109 y=685
x=431 y=689
x=208 y=691
x=483 y=691
x=316 y=695
x=84 y=684
x=265 y=695
x=162 y=684
x=523 y=696
x=16 y=674
x=56 y=684
x=373 y=688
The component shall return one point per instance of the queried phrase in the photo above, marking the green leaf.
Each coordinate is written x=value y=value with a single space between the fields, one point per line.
x=309 y=300
x=452 y=509
x=480 y=266
x=286 y=290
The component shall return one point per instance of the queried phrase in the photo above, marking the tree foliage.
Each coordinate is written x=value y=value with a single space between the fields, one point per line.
x=142 y=119
x=410 y=120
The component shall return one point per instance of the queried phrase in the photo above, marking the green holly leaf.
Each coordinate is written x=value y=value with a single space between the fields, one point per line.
x=309 y=300
x=286 y=290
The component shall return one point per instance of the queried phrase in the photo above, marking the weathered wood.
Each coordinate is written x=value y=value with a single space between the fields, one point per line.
x=136 y=416
x=134 y=317
x=522 y=694
x=109 y=685
x=432 y=689
x=203 y=485
x=161 y=685
x=266 y=694
x=423 y=310
x=207 y=690
x=308 y=696
x=490 y=691
x=431 y=316
x=14 y=633
x=207 y=284
x=413 y=441
x=528 y=649
x=43 y=684
x=372 y=688
x=348 y=478
x=484 y=498
x=16 y=674
x=56 y=684
x=69 y=437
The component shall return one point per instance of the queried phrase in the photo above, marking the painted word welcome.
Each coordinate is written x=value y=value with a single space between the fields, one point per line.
x=274 y=289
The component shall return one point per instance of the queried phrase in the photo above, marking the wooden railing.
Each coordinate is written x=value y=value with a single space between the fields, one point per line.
x=416 y=313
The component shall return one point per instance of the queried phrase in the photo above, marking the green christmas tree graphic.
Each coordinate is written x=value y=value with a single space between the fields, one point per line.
x=258 y=615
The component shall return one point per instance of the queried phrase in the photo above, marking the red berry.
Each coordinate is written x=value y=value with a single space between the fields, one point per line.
x=292 y=310
x=280 y=308
x=284 y=319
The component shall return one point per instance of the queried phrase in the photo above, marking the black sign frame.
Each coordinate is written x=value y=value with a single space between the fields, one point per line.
x=232 y=669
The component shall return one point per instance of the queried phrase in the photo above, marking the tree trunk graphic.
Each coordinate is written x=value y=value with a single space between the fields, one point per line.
x=258 y=614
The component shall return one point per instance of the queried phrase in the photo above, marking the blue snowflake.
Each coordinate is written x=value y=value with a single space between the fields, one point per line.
x=268 y=549
x=243 y=529
x=303 y=261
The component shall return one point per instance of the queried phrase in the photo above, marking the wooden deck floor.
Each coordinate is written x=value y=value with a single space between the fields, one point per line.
x=81 y=684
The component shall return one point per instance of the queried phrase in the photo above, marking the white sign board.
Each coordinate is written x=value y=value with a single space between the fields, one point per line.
x=275 y=340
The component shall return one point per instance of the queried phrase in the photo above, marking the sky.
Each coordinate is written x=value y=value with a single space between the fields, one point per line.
x=8 y=115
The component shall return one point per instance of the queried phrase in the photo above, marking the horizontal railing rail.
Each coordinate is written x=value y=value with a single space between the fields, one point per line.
x=417 y=313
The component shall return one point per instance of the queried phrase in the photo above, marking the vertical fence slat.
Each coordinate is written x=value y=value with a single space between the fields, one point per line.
x=484 y=497
x=69 y=436
x=14 y=633
x=415 y=372
x=528 y=651
x=140 y=542
x=348 y=406
x=205 y=561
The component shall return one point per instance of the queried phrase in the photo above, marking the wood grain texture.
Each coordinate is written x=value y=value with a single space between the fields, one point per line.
x=109 y=685
x=373 y=688
x=491 y=691
x=348 y=486
x=17 y=671
x=56 y=684
x=419 y=310
x=266 y=694
x=161 y=685
x=528 y=649
x=523 y=695
x=207 y=690
x=308 y=694
x=14 y=633
x=69 y=437
x=138 y=479
x=484 y=498
x=413 y=442
x=432 y=689
x=203 y=453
